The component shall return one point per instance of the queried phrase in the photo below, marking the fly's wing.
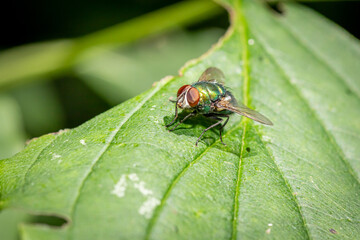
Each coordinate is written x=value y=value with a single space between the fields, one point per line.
x=212 y=74
x=243 y=110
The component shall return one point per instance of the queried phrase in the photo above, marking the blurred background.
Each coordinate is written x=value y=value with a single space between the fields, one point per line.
x=64 y=62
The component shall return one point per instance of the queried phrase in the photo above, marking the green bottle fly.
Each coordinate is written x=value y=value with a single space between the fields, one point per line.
x=209 y=97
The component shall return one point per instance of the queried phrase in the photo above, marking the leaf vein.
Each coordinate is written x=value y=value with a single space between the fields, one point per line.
x=108 y=142
x=35 y=161
x=329 y=136
x=327 y=133
x=176 y=180
x=287 y=184
x=238 y=182
x=315 y=53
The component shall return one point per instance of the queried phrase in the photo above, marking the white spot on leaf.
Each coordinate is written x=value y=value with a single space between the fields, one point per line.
x=120 y=187
x=55 y=156
x=238 y=70
x=293 y=80
x=148 y=207
x=141 y=187
x=265 y=138
x=269 y=229
x=251 y=41
x=311 y=179
x=133 y=177
x=82 y=141
x=153 y=107
x=230 y=163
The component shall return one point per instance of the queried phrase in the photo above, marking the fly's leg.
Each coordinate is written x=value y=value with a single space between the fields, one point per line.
x=176 y=116
x=216 y=117
x=222 y=127
x=183 y=120
x=207 y=129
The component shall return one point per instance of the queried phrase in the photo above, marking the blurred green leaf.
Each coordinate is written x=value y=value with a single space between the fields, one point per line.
x=29 y=62
x=12 y=134
x=119 y=75
x=40 y=232
x=40 y=107
x=9 y=223
x=123 y=175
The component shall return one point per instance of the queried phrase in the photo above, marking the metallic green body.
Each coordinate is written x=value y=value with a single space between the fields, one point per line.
x=209 y=93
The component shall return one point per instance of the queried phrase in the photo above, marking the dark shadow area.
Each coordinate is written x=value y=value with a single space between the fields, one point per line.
x=277 y=8
x=194 y=126
x=344 y=13
x=41 y=20
x=53 y=221
x=348 y=91
x=218 y=21
x=79 y=101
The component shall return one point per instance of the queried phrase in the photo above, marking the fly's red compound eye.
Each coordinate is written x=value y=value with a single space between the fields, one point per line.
x=182 y=89
x=193 y=97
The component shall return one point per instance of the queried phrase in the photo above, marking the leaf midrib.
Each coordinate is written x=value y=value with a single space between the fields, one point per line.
x=243 y=30
x=246 y=87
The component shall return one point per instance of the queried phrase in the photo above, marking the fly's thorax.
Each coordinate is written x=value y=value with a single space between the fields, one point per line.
x=209 y=93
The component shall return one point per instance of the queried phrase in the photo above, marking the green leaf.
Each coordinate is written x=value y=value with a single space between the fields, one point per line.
x=12 y=135
x=40 y=107
x=123 y=175
x=9 y=220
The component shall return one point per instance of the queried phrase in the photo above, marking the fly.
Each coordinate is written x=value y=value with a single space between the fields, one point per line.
x=209 y=97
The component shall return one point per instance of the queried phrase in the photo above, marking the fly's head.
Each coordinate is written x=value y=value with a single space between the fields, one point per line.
x=187 y=97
